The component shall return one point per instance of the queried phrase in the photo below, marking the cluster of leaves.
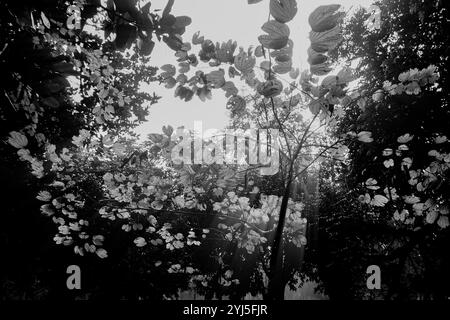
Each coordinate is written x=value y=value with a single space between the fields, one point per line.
x=73 y=75
x=131 y=197
x=241 y=64
x=217 y=229
x=424 y=181
x=402 y=99
x=270 y=105
x=163 y=209
x=325 y=36
x=61 y=75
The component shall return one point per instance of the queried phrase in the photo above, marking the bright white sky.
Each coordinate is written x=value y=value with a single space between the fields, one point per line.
x=221 y=20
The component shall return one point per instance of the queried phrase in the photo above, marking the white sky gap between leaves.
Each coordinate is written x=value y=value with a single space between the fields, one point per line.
x=221 y=20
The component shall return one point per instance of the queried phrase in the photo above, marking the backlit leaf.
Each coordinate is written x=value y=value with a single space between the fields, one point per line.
x=283 y=10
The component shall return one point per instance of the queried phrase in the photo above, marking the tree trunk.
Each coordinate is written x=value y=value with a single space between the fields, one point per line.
x=276 y=278
x=276 y=287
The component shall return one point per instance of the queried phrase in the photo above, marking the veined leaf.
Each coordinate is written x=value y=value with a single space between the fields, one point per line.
x=145 y=46
x=278 y=35
x=365 y=136
x=230 y=89
x=170 y=82
x=326 y=40
x=45 y=20
x=379 y=200
x=17 y=140
x=169 y=70
x=276 y=29
x=259 y=52
x=196 y=39
x=244 y=63
x=182 y=21
x=283 y=67
x=283 y=10
x=324 y=18
x=294 y=73
x=320 y=69
x=217 y=78
x=315 y=57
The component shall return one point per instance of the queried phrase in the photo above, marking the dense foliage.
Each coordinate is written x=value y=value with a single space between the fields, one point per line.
x=363 y=154
x=408 y=115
